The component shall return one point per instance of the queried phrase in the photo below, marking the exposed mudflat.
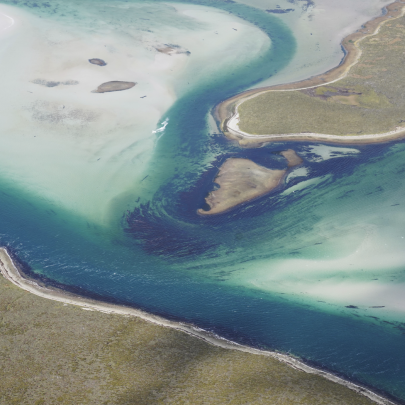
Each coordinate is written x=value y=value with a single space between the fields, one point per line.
x=98 y=62
x=292 y=158
x=114 y=86
x=241 y=180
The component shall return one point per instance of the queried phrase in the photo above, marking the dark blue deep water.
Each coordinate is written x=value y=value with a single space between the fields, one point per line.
x=164 y=258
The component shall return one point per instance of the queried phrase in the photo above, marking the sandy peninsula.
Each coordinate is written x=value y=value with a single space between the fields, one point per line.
x=11 y=270
x=242 y=180
x=227 y=112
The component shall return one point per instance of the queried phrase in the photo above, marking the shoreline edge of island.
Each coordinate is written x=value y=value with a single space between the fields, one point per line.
x=12 y=272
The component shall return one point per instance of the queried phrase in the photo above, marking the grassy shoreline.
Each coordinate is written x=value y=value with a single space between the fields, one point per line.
x=326 y=388
x=286 y=113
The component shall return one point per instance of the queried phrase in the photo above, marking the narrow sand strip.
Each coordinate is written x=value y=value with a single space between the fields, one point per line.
x=229 y=123
x=9 y=269
x=11 y=22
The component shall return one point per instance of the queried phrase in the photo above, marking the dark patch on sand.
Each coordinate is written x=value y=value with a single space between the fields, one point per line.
x=46 y=83
x=114 y=86
x=98 y=62
x=280 y=10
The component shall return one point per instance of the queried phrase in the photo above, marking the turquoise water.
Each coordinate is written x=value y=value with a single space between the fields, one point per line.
x=219 y=272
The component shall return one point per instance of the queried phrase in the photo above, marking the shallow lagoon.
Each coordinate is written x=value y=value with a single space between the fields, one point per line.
x=278 y=272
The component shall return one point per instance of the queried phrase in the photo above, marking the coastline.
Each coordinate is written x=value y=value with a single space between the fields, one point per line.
x=11 y=271
x=18 y=278
x=398 y=133
x=226 y=113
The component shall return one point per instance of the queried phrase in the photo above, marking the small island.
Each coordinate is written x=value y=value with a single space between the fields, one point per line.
x=242 y=180
x=98 y=62
x=114 y=86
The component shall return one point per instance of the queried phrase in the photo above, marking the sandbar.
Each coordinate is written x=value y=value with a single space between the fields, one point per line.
x=292 y=158
x=242 y=180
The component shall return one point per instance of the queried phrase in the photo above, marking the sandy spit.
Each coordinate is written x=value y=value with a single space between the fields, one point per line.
x=227 y=111
x=10 y=270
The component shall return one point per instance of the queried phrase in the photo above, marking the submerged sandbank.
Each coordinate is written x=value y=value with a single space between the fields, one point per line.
x=10 y=269
x=228 y=115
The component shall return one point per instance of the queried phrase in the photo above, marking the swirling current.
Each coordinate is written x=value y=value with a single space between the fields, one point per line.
x=159 y=255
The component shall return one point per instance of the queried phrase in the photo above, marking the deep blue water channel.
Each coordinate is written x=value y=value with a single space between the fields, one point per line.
x=166 y=259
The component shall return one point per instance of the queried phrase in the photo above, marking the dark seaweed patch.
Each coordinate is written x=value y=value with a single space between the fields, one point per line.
x=280 y=10
x=158 y=236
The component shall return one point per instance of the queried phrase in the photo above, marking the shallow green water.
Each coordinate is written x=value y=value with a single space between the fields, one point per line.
x=256 y=274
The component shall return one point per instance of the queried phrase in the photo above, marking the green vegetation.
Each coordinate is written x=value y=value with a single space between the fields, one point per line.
x=51 y=353
x=370 y=100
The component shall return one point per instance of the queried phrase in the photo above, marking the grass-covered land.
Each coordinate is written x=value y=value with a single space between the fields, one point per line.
x=369 y=100
x=51 y=353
